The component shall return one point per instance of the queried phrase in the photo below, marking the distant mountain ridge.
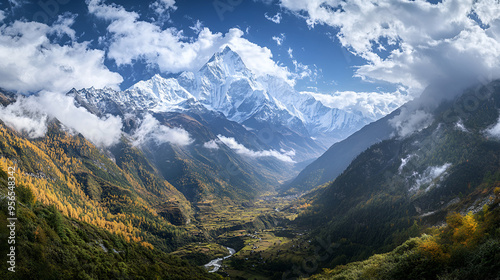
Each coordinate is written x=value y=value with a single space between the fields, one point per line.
x=224 y=84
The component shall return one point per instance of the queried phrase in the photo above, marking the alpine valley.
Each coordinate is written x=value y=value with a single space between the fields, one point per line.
x=223 y=164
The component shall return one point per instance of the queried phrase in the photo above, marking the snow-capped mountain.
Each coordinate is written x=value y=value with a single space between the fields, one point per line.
x=226 y=85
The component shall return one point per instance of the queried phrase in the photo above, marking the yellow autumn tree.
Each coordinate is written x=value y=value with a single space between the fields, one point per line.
x=464 y=228
x=431 y=248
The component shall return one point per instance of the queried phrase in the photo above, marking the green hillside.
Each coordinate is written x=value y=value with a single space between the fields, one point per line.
x=468 y=247
x=49 y=245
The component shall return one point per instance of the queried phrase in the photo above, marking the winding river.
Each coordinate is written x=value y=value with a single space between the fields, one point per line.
x=217 y=263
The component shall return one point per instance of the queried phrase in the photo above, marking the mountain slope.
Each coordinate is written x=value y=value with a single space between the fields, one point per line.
x=468 y=247
x=52 y=246
x=338 y=157
x=269 y=126
x=397 y=184
x=197 y=171
x=84 y=183
x=224 y=84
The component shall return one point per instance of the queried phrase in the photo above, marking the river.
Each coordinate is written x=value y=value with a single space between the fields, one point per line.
x=217 y=263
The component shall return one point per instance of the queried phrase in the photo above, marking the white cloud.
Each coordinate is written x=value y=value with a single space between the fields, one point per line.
x=2 y=15
x=212 y=145
x=279 y=39
x=460 y=126
x=151 y=128
x=304 y=71
x=30 y=115
x=276 y=18
x=429 y=175
x=31 y=62
x=244 y=151
x=494 y=130
x=25 y=117
x=197 y=27
x=162 y=8
x=408 y=122
x=488 y=11
x=290 y=53
x=132 y=39
x=373 y=105
x=414 y=43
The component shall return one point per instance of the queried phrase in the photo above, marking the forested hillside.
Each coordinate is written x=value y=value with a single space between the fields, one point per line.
x=51 y=245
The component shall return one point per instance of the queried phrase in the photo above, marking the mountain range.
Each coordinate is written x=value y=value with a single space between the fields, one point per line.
x=194 y=145
x=225 y=85
x=240 y=126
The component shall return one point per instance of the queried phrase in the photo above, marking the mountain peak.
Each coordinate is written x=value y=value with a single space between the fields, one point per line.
x=227 y=60
x=157 y=77
x=227 y=49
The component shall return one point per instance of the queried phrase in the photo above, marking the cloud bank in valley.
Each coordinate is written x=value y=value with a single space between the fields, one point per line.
x=25 y=116
x=285 y=156
x=151 y=129
x=31 y=115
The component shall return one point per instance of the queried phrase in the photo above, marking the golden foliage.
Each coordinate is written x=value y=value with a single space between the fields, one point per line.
x=464 y=227
x=147 y=245
x=432 y=248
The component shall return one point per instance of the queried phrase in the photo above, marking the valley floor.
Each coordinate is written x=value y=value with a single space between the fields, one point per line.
x=260 y=233
x=267 y=245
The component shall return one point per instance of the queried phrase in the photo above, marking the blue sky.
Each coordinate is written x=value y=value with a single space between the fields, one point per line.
x=389 y=50
x=331 y=65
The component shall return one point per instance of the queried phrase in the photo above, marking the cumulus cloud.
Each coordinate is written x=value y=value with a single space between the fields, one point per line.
x=31 y=62
x=244 y=151
x=414 y=43
x=276 y=18
x=197 y=27
x=163 y=6
x=212 y=145
x=279 y=39
x=132 y=39
x=373 y=105
x=30 y=115
x=2 y=15
x=151 y=129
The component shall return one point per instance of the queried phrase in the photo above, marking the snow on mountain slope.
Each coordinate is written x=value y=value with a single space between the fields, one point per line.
x=224 y=84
